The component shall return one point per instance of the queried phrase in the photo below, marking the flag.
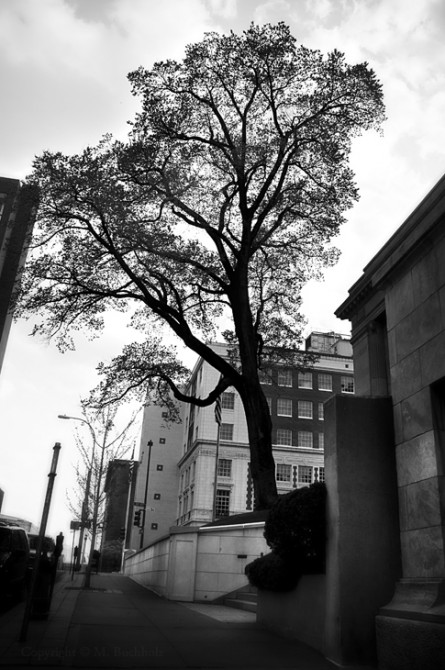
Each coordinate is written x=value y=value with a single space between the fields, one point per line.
x=218 y=410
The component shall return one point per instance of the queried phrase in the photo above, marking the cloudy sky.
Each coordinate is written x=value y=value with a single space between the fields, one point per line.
x=63 y=67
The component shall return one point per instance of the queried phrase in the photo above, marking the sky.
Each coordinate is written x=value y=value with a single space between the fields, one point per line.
x=63 y=84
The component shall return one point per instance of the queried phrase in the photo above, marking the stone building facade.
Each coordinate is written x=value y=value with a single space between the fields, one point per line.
x=397 y=311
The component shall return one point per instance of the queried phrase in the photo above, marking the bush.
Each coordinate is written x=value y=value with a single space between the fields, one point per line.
x=295 y=530
x=272 y=573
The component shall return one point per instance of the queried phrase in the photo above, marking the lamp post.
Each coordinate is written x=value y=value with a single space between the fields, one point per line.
x=84 y=516
x=87 y=489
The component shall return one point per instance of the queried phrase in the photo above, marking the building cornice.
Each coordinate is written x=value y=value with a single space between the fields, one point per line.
x=421 y=223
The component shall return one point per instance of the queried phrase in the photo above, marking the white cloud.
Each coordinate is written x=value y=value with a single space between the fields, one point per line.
x=65 y=76
x=224 y=8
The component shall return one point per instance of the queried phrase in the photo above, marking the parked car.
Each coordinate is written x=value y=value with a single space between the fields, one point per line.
x=14 y=560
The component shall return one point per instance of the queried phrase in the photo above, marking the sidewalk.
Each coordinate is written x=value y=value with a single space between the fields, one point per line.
x=119 y=624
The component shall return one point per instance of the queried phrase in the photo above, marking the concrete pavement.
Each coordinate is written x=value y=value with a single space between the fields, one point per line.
x=120 y=624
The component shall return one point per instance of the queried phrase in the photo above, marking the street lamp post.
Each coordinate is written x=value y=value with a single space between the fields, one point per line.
x=84 y=515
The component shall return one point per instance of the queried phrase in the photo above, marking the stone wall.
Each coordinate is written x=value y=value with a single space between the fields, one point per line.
x=397 y=310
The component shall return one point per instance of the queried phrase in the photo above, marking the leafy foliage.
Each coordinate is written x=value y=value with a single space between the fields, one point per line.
x=295 y=530
x=272 y=573
x=211 y=217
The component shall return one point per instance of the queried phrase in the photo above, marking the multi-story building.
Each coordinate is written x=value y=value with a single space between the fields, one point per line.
x=295 y=399
x=176 y=474
x=18 y=207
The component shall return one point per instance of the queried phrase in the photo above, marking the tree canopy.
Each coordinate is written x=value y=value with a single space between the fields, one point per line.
x=211 y=217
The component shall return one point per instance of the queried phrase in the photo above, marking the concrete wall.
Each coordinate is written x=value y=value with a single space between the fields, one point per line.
x=297 y=614
x=149 y=567
x=198 y=564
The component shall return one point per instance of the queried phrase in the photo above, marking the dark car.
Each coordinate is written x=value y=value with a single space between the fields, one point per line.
x=14 y=559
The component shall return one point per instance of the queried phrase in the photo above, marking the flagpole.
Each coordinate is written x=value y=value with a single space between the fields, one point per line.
x=215 y=481
x=216 y=473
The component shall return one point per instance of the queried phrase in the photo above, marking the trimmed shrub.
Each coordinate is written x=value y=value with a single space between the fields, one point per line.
x=295 y=530
x=272 y=573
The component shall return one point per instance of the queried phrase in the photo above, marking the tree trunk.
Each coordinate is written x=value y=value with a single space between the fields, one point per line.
x=259 y=426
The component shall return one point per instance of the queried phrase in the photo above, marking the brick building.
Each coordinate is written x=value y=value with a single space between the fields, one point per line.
x=116 y=514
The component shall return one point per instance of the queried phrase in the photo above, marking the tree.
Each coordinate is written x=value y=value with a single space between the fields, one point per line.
x=105 y=443
x=218 y=209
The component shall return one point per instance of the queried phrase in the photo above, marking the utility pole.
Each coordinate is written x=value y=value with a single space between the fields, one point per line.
x=46 y=506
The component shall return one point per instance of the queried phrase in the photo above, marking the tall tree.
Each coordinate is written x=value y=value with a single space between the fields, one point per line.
x=218 y=209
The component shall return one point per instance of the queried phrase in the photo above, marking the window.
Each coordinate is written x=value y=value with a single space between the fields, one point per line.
x=228 y=400
x=304 y=474
x=304 y=409
x=285 y=377
x=305 y=439
x=265 y=376
x=321 y=440
x=283 y=472
x=226 y=431
x=284 y=407
x=162 y=440
x=347 y=384
x=159 y=467
x=324 y=382
x=269 y=403
x=224 y=467
x=284 y=437
x=305 y=380
x=321 y=411
x=222 y=503
x=321 y=474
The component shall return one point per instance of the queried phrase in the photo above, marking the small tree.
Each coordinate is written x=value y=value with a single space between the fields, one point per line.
x=105 y=443
x=217 y=210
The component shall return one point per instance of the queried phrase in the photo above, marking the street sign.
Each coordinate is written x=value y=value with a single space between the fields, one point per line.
x=75 y=525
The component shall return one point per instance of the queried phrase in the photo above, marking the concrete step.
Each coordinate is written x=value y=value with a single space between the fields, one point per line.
x=244 y=598
x=244 y=595
x=247 y=605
